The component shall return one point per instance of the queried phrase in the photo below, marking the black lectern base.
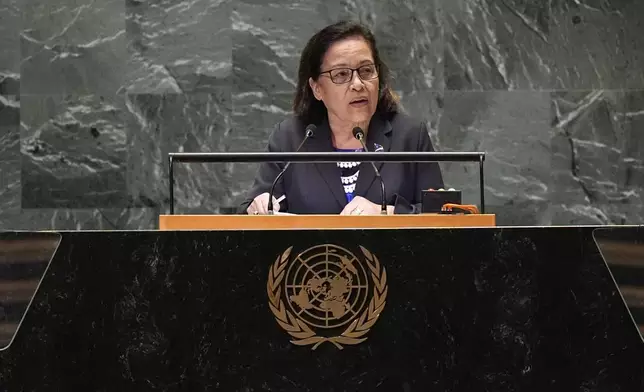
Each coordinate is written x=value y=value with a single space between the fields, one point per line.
x=499 y=309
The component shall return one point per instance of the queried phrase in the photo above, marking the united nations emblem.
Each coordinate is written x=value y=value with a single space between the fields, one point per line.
x=327 y=294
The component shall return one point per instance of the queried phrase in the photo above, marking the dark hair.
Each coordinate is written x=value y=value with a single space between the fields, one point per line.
x=309 y=109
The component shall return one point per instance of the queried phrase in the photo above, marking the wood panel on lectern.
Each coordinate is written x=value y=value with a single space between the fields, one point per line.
x=286 y=222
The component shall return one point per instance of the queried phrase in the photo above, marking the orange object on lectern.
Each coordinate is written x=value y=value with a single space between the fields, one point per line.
x=467 y=208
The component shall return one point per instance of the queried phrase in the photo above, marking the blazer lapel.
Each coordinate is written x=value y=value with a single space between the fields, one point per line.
x=329 y=171
x=378 y=140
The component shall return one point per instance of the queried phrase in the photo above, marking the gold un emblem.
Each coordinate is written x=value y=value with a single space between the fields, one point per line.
x=327 y=294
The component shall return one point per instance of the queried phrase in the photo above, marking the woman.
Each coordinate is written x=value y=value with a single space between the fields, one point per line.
x=343 y=83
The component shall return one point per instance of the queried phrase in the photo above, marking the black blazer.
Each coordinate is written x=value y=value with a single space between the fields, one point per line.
x=317 y=189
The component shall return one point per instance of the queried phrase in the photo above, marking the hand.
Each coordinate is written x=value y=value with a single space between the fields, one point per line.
x=259 y=206
x=361 y=206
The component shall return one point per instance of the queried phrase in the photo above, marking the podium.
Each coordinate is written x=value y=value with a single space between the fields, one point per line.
x=300 y=222
x=229 y=303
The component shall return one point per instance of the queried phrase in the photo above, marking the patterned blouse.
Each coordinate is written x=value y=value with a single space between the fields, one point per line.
x=349 y=172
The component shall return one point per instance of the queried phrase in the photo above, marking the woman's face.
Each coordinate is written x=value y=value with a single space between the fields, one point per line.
x=349 y=97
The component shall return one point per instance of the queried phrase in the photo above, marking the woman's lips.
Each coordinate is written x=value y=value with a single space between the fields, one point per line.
x=359 y=103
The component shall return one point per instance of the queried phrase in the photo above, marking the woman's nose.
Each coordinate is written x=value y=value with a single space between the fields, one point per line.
x=356 y=82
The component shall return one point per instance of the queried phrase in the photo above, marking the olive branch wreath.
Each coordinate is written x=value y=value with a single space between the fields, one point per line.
x=303 y=335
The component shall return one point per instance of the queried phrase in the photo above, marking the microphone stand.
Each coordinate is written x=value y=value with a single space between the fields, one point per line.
x=309 y=133
x=359 y=134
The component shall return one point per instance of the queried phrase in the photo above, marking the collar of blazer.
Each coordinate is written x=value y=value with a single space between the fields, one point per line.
x=378 y=138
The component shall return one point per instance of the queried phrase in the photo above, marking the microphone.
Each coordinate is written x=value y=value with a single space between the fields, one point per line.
x=310 y=130
x=359 y=134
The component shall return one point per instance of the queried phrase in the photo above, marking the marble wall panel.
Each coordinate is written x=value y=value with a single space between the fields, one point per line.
x=73 y=151
x=597 y=157
x=178 y=47
x=9 y=156
x=160 y=124
x=10 y=27
x=524 y=44
x=513 y=128
x=72 y=47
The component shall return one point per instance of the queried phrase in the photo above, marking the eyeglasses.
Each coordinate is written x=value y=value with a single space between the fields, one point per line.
x=345 y=75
